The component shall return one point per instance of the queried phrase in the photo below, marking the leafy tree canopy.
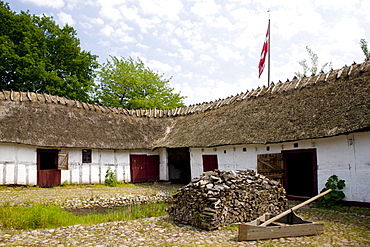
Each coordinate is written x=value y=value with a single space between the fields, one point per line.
x=314 y=58
x=129 y=84
x=37 y=55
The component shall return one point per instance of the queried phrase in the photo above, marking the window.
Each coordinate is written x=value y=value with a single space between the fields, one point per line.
x=86 y=155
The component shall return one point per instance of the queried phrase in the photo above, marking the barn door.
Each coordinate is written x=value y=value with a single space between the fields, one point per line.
x=48 y=174
x=138 y=168
x=144 y=168
x=152 y=168
x=271 y=166
x=209 y=162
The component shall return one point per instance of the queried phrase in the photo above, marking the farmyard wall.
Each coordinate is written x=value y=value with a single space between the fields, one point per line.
x=18 y=165
x=347 y=156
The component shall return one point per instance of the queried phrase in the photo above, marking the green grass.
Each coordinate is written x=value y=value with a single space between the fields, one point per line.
x=41 y=216
x=94 y=186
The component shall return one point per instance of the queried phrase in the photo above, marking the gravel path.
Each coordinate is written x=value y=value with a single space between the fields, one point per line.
x=346 y=227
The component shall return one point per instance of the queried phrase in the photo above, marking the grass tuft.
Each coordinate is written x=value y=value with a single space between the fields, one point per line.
x=41 y=216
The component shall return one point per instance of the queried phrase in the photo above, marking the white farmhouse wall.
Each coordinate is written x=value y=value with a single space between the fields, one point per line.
x=163 y=165
x=94 y=172
x=17 y=164
x=347 y=156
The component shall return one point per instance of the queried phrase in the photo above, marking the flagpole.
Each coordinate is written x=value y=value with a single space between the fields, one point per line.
x=269 y=51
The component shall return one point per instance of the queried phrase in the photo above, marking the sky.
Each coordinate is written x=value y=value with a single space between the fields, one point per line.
x=211 y=48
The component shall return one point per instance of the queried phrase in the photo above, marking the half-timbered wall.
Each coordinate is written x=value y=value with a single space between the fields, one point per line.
x=18 y=165
x=347 y=156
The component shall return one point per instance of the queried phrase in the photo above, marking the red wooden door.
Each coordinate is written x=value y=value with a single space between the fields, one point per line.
x=152 y=168
x=138 y=166
x=209 y=162
x=48 y=174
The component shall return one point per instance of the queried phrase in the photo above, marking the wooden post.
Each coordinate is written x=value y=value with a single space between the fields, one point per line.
x=295 y=208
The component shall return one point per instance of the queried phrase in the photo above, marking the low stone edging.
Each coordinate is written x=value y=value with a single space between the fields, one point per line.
x=117 y=201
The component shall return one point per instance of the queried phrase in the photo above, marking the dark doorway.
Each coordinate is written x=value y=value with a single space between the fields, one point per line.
x=300 y=172
x=144 y=168
x=210 y=162
x=179 y=165
x=48 y=174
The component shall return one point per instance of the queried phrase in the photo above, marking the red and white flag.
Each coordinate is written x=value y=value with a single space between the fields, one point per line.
x=265 y=50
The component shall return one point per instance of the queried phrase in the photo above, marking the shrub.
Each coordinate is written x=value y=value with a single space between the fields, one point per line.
x=65 y=183
x=335 y=197
x=110 y=178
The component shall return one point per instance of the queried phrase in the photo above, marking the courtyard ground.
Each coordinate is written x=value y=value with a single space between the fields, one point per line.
x=345 y=226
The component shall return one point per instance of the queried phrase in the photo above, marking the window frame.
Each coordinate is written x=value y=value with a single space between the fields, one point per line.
x=86 y=156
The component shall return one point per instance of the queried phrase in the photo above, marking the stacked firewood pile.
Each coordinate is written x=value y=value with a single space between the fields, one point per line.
x=219 y=198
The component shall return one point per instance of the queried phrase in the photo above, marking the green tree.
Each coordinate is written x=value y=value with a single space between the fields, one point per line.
x=129 y=84
x=314 y=58
x=37 y=55
x=363 y=44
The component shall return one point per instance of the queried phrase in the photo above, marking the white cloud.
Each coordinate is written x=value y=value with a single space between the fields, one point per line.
x=223 y=22
x=65 y=18
x=107 y=30
x=227 y=53
x=365 y=6
x=162 y=8
x=332 y=5
x=142 y=46
x=247 y=39
x=56 y=4
x=209 y=90
x=91 y=22
x=110 y=11
x=123 y=36
x=206 y=58
x=130 y=12
x=175 y=42
x=186 y=54
x=148 y=24
x=158 y=66
x=205 y=9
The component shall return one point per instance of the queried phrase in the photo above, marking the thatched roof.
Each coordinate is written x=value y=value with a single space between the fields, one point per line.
x=334 y=103
x=57 y=122
x=315 y=107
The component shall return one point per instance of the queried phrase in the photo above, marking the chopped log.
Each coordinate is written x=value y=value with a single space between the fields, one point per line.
x=219 y=198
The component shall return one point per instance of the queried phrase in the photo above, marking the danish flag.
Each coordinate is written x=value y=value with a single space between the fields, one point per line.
x=265 y=50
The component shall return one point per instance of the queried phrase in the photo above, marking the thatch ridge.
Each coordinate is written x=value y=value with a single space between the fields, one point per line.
x=319 y=106
x=323 y=105
x=52 y=121
x=278 y=88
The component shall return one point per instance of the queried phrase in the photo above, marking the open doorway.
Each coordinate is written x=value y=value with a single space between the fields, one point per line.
x=295 y=169
x=300 y=172
x=179 y=165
